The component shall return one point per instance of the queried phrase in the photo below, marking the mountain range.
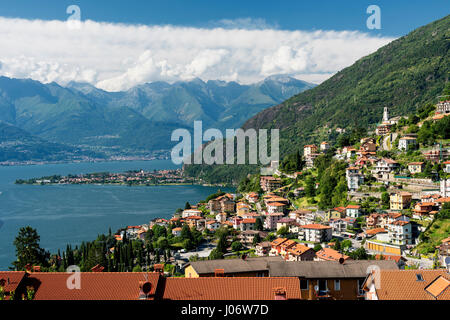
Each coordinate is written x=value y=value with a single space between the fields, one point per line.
x=140 y=120
x=403 y=75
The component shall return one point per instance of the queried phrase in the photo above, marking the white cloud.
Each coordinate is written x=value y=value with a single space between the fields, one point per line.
x=117 y=56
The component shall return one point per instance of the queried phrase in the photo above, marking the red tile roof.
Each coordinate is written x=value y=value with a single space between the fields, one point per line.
x=10 y=280
x=94 y=286
x=315 y=226
x=375 y=231
x=404 y=285
x=329 y=254
x=238 y=288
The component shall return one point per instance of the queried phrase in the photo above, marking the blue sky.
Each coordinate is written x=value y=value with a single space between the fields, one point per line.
x=119 y=44
x=398 y=17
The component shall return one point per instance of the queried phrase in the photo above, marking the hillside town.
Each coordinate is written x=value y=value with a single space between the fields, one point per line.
x=136 y=177
x=387 y=206
x=321 y=225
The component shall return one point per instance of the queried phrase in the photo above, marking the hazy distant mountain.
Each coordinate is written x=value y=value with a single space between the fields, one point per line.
x=18 y=145
x=218 y=104
x=141 y=118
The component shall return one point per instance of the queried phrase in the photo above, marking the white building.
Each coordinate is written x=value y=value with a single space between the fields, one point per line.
x=447 y=166
x=445 y=188
x=405 y=142
x=443 y=107
x=400 y=232
x=315 y=233
x=275 y=207
x=353 y=211
x=212 y=225
x=324 y=146
x=191 y=213
x=354 y=181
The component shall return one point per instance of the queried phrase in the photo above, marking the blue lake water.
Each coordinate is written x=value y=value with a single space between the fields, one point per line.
x=70 y=214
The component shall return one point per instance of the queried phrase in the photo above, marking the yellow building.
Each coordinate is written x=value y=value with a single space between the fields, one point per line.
x=383 y=247
x=415 y=167
x=400 y=201
x=242 y=209
x=335 y=213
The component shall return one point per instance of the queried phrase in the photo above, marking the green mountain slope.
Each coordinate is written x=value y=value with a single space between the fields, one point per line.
x=403 y=75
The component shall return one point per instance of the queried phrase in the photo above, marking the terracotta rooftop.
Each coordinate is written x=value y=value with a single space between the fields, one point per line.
x=315 y=226
x=389 y=257
x=239 y=288
x=278 y=241
x=375 y=231
x=10 y=280
x=329 y=254
x=276 y=204
x=412 y=285
x=438 y=287
x=94 y=286
x=299 y=249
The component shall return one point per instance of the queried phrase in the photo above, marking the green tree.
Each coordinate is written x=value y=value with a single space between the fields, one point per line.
x=236 y=246
x=186 y=232
x=28 y=250
x=256 y=239
x=215 y=254
x=283 y=231
x=259 y=224
x=162 y=243
x=385 y=199
x=310 y=187
x=137 y=268
x=317 y=247
x=222 y=243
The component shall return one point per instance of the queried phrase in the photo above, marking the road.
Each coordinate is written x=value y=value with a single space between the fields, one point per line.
x=203 y=251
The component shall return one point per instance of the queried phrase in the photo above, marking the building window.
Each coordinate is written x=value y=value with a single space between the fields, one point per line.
x=303 y=284
x=337 y=285
x=323 y=285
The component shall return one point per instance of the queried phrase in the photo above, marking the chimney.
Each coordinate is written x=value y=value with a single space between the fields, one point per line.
x=159 y=268
x=219 y=273
x=279 y=293
x=97 y=268
x=36 y=268
x=145 y=288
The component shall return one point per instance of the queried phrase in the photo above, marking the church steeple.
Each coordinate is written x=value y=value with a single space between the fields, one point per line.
x=385 y=115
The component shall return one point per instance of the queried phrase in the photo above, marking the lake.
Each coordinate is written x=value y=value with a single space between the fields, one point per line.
x=70 y=214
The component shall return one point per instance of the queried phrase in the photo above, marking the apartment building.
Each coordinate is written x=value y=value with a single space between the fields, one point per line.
x=400 y=201
x=315 y=233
